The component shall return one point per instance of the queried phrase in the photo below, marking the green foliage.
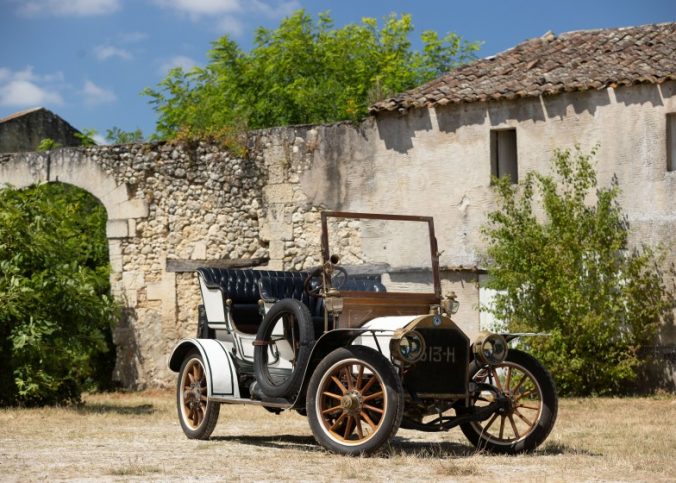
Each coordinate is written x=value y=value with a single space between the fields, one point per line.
x=86 y=137
x=55 y=312
x=47 y=144
x=563 y=267
x=115 y=135
x=302 y=72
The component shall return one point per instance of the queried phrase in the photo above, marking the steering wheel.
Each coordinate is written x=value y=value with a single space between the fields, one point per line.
x=338 y=279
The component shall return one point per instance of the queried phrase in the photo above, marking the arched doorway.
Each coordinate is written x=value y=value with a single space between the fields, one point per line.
x=83 y=169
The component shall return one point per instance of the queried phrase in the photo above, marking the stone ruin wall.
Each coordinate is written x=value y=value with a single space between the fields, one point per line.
x=198 y=202
x=202 y=204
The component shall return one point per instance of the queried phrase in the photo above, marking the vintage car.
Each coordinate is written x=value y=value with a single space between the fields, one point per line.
x=363 y=345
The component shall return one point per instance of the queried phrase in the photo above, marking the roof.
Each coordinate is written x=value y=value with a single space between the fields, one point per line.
x=20 y=114
x=573 y=61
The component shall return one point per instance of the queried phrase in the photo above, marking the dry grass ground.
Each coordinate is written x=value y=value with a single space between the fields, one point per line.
x=137 y=437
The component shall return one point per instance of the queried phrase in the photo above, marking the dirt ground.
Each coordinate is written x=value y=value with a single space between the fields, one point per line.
x=137 y=437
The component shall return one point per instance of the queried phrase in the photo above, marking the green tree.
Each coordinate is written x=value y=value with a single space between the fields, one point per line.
x=115 y=135
x=86 y=137
x=562 y=266
x=47 y=144
x=302 y=72
x=55 y=309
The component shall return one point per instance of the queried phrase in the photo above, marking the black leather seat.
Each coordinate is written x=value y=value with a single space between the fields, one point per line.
x=241 y=286
x=245 y=287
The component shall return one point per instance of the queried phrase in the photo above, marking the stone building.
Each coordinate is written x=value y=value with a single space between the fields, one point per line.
x=23 y=131
x=430 y=151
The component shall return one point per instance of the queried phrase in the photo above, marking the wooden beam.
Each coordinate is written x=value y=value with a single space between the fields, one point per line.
x=179 y=265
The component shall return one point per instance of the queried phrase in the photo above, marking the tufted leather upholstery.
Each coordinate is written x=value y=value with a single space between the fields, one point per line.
x=241 y=285
x=245 y=287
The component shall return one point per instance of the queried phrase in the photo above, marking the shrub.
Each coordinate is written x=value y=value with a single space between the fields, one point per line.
x=55 y=311
x=563 y=266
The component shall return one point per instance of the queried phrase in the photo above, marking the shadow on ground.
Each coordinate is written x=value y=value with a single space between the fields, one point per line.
x=141 y=409
x=280 y=441
x=563 y=449
x=398 y=447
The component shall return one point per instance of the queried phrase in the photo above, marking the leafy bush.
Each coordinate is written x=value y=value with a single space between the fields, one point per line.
x=115 y=135
x=562 y=266
x=86 y=137
x=47 y=144
x=55 y=312
x=302 y=72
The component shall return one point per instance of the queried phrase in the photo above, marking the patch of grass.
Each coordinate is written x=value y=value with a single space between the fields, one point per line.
x=134 y=468
x=456 y=468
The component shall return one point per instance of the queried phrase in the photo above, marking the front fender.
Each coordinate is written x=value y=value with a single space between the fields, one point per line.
x=221 y=372
x=325 y=344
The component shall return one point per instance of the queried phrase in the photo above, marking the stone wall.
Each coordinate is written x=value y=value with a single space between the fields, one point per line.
x=164 y=202
x=198 y=202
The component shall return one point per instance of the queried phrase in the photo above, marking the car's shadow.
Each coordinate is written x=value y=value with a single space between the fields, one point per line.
x=398 y=446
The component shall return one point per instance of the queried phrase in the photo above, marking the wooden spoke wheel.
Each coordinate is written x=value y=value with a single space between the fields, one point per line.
x=355 y=401
x=198 y=415
x=531 y=407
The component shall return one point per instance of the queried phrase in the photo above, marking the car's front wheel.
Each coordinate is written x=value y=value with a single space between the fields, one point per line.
x=354 y=401
x=531 y=409
x=198 y=415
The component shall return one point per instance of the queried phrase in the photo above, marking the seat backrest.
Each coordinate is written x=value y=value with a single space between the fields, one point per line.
x=242 y=285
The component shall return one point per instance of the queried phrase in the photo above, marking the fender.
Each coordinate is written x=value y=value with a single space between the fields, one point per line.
x=332 y=340
x=221 y=373
x=375 y=334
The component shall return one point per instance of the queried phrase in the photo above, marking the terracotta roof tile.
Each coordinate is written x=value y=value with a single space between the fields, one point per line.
x=573 y=61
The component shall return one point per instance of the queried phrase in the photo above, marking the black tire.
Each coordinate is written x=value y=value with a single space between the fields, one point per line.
x=198 y=417
x=368 y=410
x=293 y=313
x=527 y=422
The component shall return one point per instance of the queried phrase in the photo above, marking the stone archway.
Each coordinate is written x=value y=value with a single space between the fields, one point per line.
x=124 y=209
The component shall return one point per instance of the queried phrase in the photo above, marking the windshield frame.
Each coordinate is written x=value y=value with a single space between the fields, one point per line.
x=434 y=252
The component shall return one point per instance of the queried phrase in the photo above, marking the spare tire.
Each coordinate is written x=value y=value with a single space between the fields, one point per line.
x=299 y=332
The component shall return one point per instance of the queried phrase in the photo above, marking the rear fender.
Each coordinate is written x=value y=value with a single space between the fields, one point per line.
x=220 y=368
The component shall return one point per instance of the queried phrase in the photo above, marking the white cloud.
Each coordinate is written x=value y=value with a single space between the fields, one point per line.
x=231 y=15
x=95 y=95
x=132 y=37
x=186 y=63
x=68 y=8
x=279 y=10
x=200 y=8
x=24 y=88
x=18 y=93
x=231 y=25
x=105 y=52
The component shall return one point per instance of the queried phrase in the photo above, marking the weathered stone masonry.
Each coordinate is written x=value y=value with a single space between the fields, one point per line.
x=163 y=202
x=198 y=202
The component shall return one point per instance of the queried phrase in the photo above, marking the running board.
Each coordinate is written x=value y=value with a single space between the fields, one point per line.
x=277 y=403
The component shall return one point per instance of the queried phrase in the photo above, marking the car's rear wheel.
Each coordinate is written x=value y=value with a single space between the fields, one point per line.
x=354 y=401
x=531 y=409
x=198 y=415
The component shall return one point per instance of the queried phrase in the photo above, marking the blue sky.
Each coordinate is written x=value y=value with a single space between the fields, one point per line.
x=88 y=60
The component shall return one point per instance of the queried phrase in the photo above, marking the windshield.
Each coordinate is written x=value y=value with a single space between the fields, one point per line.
x=382 y=253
